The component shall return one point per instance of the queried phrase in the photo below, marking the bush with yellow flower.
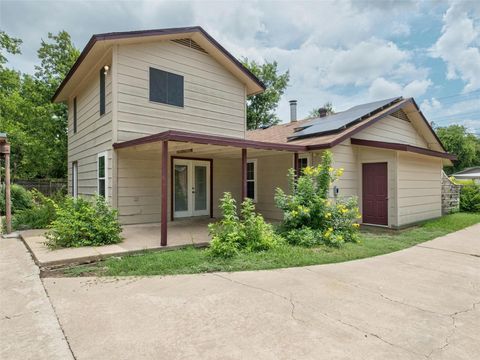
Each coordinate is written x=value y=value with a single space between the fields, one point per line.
x=310 y=216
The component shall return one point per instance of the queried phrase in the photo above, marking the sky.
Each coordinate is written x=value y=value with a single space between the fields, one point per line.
x=343 y=52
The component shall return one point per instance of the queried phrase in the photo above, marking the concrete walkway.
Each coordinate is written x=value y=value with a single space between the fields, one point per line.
x=29 y=328
x=419 y=303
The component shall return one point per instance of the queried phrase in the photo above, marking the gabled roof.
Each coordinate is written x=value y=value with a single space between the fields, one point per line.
x=99 y=44
x=286 y=133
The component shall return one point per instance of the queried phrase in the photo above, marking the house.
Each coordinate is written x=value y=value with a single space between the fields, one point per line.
x=471 y=173
x=157 y=125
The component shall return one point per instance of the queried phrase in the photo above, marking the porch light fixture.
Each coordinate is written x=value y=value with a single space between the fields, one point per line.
x=105 y=69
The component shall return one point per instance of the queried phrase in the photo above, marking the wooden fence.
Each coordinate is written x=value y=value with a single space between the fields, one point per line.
x=47 y=187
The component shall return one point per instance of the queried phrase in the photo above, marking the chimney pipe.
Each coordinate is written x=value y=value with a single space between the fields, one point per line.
x=293 y=110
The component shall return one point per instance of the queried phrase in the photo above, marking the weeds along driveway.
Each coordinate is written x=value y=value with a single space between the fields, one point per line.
x=419 y=303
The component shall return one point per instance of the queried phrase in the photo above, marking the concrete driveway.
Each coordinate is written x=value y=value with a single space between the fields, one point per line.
x=420 y=303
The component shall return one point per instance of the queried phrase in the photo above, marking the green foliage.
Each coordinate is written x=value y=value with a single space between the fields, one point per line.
x=316 y=111
x=232 y=235
x=21 y=199
x=470 y=197
x=310 y=217
x=80 y=222
x=37 y=128
x=458 y=141
x=261 y=107
x=39 y=216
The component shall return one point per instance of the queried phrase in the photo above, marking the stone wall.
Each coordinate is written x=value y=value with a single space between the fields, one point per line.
x=450 y=195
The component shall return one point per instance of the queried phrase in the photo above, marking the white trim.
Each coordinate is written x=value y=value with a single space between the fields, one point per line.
x=255 y=178
x=104 y=154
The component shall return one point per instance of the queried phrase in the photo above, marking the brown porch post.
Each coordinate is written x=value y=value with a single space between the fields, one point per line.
x=163 y=225
x=244 y=174
x=295 y=165
x=8 y=209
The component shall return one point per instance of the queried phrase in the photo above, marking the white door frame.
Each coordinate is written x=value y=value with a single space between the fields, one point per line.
x=191 y=163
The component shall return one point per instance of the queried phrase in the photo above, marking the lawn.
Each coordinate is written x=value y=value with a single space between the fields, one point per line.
x=193 y=260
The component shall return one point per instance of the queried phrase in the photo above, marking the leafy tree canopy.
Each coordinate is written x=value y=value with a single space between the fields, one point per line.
x=458 y=141
x=261 y=107
x=316 y=111
x=37 y=129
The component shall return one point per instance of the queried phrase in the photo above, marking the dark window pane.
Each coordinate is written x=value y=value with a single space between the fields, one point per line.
x=102 y=91
x=250 y=171
x=166 y=88
x=302 y=163
x=101 y=187
x=158 y=85
x=101 y=167
x=175 y=90
x=181 y=188
x=74 y=115
x=251 y=190
x=200 y=187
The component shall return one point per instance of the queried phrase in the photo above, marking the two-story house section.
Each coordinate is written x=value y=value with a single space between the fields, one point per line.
x=157 y=125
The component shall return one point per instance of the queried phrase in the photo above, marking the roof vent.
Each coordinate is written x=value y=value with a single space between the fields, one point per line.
x=189 y=43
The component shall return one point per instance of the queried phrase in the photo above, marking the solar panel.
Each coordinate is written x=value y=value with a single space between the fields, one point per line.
x=341 y=120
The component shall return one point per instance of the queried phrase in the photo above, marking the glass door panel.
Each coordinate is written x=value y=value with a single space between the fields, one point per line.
x=200 y=187
x=181 y=192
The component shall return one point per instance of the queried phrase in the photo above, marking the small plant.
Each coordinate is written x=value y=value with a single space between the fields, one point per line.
x=310 y=217
x=80 y=222
x=232 y=235
x=39 y=216
x=470 y=197
x=21 y=198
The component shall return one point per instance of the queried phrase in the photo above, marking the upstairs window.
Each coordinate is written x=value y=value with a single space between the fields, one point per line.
x=74 y=115
x=252 y=179
x=166 y=88
x=102 y=174
x=102 y=91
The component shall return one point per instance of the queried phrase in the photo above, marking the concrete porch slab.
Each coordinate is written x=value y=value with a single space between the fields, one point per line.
x=136 y=238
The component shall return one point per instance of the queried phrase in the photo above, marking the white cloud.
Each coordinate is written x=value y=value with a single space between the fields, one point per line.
x=382 y=88
x=458 y=45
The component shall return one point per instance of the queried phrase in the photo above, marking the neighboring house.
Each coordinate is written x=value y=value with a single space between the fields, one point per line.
x=471 y=173
x=157 y=125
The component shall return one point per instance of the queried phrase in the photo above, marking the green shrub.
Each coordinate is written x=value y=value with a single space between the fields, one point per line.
x=80 y=222
x=470 y=198
x=310 y=217
x=39 y=216
x=232 y=235
x=20 y=197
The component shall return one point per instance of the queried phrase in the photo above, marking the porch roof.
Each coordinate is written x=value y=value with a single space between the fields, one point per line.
x=196 y=138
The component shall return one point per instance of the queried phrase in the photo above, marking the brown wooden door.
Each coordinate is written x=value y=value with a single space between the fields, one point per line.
x=375 y=193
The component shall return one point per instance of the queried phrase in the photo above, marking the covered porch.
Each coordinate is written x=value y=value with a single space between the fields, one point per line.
x=169 y=177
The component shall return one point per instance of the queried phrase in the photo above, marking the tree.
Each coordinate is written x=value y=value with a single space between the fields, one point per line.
x=316 y=111
x=261 y=107
x=458 y=141
x=37 y=129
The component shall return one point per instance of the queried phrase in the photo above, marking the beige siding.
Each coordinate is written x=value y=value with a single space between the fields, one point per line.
x=94 y=133
x=271 y=173
x=392 y=129
x=419 y=188
x=139 y=186
x=345 y=157
x=227 y=175
x=214 y=98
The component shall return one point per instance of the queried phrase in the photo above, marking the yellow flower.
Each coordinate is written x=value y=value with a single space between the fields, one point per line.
x=330 y=169
x=308 y=170
x=344 y=211
x=356 y=225
x=328 y=215
x=330 y=229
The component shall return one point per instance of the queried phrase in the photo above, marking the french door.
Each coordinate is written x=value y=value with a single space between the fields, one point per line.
x=191 y=188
